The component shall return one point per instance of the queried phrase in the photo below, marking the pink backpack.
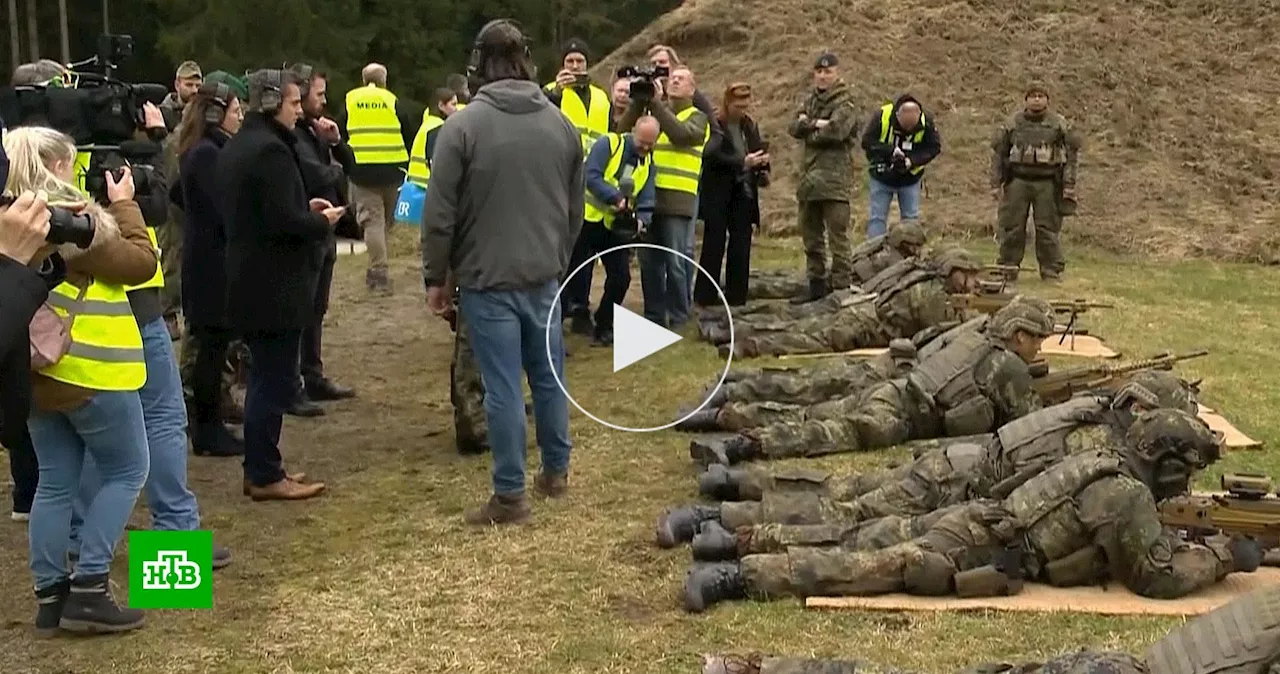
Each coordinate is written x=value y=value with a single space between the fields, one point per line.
x=51 y=333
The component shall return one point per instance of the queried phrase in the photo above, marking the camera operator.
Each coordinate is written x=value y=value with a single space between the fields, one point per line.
x=585 y=104
x=677 y=159
x=86 y=403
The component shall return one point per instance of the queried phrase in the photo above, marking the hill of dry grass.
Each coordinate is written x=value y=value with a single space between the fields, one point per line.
x=1174 y=97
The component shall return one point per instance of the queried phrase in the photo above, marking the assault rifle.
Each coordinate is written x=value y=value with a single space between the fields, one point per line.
x=1249 y=507
x=990 y=303
x=1056 y=387
x=1006 y=274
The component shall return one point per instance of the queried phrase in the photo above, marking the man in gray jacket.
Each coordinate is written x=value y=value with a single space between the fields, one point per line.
x=503 y=209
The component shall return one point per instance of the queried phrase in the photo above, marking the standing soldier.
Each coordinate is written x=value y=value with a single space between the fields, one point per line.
x=1033 y=168
x=827 y=126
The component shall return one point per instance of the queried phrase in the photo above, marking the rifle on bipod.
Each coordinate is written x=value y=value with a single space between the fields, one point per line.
x=1056 y=387
x=1003 y=274
x=1248 y=507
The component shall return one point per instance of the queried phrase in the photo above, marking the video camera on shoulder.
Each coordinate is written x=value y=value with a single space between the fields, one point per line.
x=64 y=225
x=642 y=78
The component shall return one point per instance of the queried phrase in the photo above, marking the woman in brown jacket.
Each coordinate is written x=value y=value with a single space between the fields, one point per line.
x=87 y=401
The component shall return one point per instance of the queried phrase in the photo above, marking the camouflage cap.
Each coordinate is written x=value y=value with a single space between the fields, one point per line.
x=957 y=259
x=1167 y=433
x=1159 y=389
x=1026 y=316
x=1036 y=87
x=189 y=69
x=907 y=233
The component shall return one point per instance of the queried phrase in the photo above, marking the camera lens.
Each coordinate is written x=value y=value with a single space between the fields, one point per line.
x=68 y=227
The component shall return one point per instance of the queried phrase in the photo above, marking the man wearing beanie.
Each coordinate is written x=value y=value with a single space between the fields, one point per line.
x=585 y=104
x=1033 y=169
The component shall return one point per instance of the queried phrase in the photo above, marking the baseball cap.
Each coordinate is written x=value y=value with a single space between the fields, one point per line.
x=189 y=69
x=827 y=60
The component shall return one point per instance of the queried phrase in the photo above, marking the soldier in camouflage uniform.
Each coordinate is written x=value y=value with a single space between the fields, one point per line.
x=909 y=297
x=773 y=284
x=1091 y=516
x=1033 y=168
x=466 y=392
x=827 y=126
x=975 y=384
x=938 y=478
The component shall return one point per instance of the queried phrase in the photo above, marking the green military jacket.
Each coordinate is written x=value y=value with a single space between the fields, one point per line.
x=827 y=163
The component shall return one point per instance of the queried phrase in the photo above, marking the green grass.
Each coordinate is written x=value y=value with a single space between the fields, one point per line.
x=380 y=575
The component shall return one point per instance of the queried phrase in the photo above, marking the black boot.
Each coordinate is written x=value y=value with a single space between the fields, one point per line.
x=720 y=483
x=726 y=451
x=49 y=604
x=702 y=421
x=90 y=609
x=709 y=584
x=817 y=290
x=214 y=439
x=303 y=407
x=581 y=325
x=714 y=543
x=679 y=525
x=326 y=389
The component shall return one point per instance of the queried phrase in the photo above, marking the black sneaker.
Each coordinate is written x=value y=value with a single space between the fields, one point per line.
x=603 y=338
x=90 y=609
x=49 y=604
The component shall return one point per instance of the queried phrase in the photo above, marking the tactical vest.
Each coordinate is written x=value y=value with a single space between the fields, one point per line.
x=1040 y=143
x=897 y=314
x=1242 y=637
x=947 y=379
x=595 y=210
x=1045 y=505
x=592 y=121
x=373 y=127
x=887 y=131
x=157 y=279
x=1032 y=443
x=106 y=347
x=933 y=346
x=679 y=168
x=419 y=170
x=864 y=258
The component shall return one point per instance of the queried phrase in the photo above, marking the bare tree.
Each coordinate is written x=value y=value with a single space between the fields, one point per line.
x=15 y=45
x=66 y=38
x=33 y=31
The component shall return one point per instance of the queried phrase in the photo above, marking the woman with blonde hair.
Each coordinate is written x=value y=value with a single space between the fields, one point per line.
x=85 y=398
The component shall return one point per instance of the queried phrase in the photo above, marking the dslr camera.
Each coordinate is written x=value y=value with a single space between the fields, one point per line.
x=64 y=226
x=642 y=78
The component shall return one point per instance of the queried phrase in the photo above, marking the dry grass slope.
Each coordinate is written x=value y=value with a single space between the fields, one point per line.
x=1171 y=95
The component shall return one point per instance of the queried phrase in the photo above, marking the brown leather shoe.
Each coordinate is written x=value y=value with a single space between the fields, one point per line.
x=500 y=510
x=300 y=478
x=286 y=490
x=551 y=486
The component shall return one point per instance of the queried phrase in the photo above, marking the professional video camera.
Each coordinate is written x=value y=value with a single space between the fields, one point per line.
x=64 y=226
x=642 y=78
x=101 y=114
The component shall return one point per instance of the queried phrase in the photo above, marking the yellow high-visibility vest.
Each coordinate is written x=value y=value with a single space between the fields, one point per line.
x=593 y=121
x=886 y=130
x=419 y=171
x=373 y=127
x=157 y=279
x=459 y=106
x=596 y=211
x=106 y=347
x=679 y=168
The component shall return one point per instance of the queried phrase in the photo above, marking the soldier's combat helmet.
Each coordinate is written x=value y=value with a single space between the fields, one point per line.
x=956 y=259
x=1157 y=389
x=907 y=234
x=1165 y=447
x=1031 y=316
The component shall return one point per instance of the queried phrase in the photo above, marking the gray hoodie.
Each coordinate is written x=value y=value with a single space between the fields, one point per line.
x=505 y=200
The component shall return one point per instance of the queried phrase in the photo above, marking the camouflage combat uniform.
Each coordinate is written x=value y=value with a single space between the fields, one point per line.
x=1034 y=159
x=466 y=393
x=826 y=183
x=774 y=285
x=1082 y=662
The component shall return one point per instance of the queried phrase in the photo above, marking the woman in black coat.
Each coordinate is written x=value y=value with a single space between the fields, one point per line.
x=735 y=164
x=207 y=123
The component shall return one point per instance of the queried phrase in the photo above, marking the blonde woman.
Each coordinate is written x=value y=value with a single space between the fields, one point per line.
x=86 y=404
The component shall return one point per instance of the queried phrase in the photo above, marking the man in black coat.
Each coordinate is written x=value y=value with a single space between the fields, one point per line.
x=273 y=267
x=323 y=156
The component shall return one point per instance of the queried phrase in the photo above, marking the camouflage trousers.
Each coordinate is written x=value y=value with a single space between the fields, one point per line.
x=962 y=538
x=1039 y=198
x=775 y=285
x=774 y=395
x=1080 y=662
x=885 y=415
x=757 y=312
x=234 y=375
x=826 y=223
x=762 y=664
x=466 y=393
x=169 y=239
x=853 y=327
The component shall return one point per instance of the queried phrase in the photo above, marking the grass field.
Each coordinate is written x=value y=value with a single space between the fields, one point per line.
x=380 y=575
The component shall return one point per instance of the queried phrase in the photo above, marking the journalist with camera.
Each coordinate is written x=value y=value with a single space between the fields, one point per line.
x=585 y=104
x=898 y=141
x=677 y=163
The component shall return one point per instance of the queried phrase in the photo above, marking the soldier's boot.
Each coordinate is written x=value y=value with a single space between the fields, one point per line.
x=378 y=282
x=581 y=325
x=681 y=524
x=470 y=446
x=714 y=543
x=719 y=334
x=731 y=664
x=817 y=290
x=214 y=439
x=49 y=604
x=725 y=451
x=702 y=421
x=721 y=483
x=709 y=584
x=500 y=509
x=90 y=609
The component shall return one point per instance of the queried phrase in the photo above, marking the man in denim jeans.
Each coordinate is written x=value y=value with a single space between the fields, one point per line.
x=503 y=209
x=677 y=158
x=899 y=141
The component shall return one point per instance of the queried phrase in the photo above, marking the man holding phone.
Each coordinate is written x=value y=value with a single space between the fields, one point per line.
x=586 y=105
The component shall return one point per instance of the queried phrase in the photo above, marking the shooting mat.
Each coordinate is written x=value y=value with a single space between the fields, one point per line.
x=1037 y=598
x=1234 y=437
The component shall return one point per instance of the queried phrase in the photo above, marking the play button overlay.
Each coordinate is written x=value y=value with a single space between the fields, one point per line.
x=636 y=338
x=652 y=377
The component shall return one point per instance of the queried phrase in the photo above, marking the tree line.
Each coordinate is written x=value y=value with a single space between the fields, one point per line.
x=420 y=41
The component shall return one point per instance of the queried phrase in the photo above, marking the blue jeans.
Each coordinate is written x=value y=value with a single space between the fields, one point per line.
x=173 y=506
x=881 y=196
x=508 y=331
x=663 y=277
x=110 y=428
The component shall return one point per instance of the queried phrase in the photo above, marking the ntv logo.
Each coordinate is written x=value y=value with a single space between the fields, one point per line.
x=171 y=571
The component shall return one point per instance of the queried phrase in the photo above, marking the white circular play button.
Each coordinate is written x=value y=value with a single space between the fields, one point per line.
x=619 y=389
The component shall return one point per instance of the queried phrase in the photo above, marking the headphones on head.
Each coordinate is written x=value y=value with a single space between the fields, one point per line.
x=272 y=84
x=473 y=65
x=303 y=72
x=218 y=97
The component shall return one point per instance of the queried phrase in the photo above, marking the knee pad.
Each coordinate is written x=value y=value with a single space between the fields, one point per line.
x=930 y=576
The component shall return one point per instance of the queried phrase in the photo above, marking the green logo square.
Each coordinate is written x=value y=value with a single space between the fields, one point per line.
x=170 y=569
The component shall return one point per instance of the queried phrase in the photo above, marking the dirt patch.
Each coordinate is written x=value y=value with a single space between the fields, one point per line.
x=1169 y=94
